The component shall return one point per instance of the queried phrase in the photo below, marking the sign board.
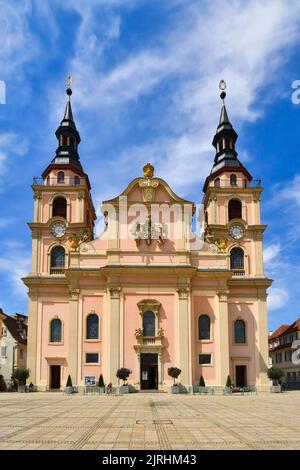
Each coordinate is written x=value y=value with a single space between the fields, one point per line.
x=90 y=380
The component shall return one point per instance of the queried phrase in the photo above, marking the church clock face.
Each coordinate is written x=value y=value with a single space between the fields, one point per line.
x=236 y=232
x=58 y=230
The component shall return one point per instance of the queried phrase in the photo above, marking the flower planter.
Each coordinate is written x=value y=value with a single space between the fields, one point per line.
x=101 y=389
x=21 y=388
x=175 y=389
x=276 y=388
x=124 y=389
x=69 y=390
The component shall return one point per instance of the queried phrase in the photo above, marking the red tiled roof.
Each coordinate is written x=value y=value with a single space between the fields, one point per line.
x=278 y=332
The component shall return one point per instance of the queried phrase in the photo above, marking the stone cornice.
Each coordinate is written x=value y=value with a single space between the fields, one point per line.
x=250 y=282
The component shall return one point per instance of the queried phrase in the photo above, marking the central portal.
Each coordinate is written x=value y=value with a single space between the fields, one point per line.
x=149 y=371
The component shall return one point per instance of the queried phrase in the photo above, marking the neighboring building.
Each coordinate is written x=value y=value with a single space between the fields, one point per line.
x=13 y=343
x=284 y=352
x=147 y=294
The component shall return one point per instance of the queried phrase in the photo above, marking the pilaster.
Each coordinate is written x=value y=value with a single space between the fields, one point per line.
x=223 y=370
x=73 y=332
x=261 y=341
x=184 y=343
x=32 y=334
x=113 y=333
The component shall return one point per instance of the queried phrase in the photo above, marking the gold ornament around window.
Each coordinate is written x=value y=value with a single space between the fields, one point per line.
x=161 y=333
x=138 y=333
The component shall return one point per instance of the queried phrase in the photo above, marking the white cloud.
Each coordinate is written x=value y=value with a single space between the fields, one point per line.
x=277 y=297
x=17 y=45
x=271 y=252
x=15 y=265
x=203 y=43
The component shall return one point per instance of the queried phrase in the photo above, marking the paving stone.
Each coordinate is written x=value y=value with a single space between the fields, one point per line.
x=149 y=421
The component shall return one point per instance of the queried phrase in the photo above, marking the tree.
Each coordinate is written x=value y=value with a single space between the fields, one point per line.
x=101 y=381
x=69 y=381
x=174 y=372
x=275 y=374
x=201 y=382
x=123 y=374
x=21 y=375
x=228 y=382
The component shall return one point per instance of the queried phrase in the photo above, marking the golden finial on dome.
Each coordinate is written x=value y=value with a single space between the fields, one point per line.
x=148 y=170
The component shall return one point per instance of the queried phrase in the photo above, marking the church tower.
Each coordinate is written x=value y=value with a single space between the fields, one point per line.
x=64 y=216
x=232 y=222
x=232 y=203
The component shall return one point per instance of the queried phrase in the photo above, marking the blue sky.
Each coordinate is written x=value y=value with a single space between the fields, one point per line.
x=146 y=77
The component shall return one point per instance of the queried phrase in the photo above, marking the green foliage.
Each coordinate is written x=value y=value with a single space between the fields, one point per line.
x=123 y=374
x=174 y=372
x=21 y=375
x=69 y=381
x=3 y=387
x=228 y=382
x=201 y=382
x=275 y=374
x=101 y=381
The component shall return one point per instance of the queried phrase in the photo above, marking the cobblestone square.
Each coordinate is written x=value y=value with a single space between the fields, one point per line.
x=149 y=421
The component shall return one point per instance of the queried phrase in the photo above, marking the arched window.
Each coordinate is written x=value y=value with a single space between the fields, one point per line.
x=233 y=180
x=217 y=182
x=59 y=207
x=60 y=177
x=148 y=324
x=92 y=326
x=76 y=180
x=236 y=258
x=55 y=331
x=204 y=327
x=234 y=209
x=57 y=257
x=239 y=331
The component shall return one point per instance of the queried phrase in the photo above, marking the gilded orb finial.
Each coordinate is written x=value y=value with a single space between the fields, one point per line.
x=69 y=81
x=148 y=170
x=222 y=86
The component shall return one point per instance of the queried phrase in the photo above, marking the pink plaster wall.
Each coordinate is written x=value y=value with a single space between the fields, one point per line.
x=204 y=306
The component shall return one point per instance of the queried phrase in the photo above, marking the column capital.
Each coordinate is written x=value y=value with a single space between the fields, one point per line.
x=115 y=292
x=223 y=295
x=74 y=293
x=183 y=292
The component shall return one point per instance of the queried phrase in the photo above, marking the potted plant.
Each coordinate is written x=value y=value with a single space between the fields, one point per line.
x=174 y=372
x=201 y=382
x=228 y=382
x=69 y=386
x=3 y=387
x=21 y=375
x=101 y=384
x=123 y=374
x=275 y=374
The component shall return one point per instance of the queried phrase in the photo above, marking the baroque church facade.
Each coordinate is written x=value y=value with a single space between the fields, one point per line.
x=148 y=294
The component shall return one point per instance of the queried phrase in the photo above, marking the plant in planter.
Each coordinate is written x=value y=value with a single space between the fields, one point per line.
x=20 y=375
x=228 y=382
x=275 y=374
x=201 y=382
x=174 y=372
x=123 y=374
x=101 y=384
x=69 y=386
x=3 y=387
